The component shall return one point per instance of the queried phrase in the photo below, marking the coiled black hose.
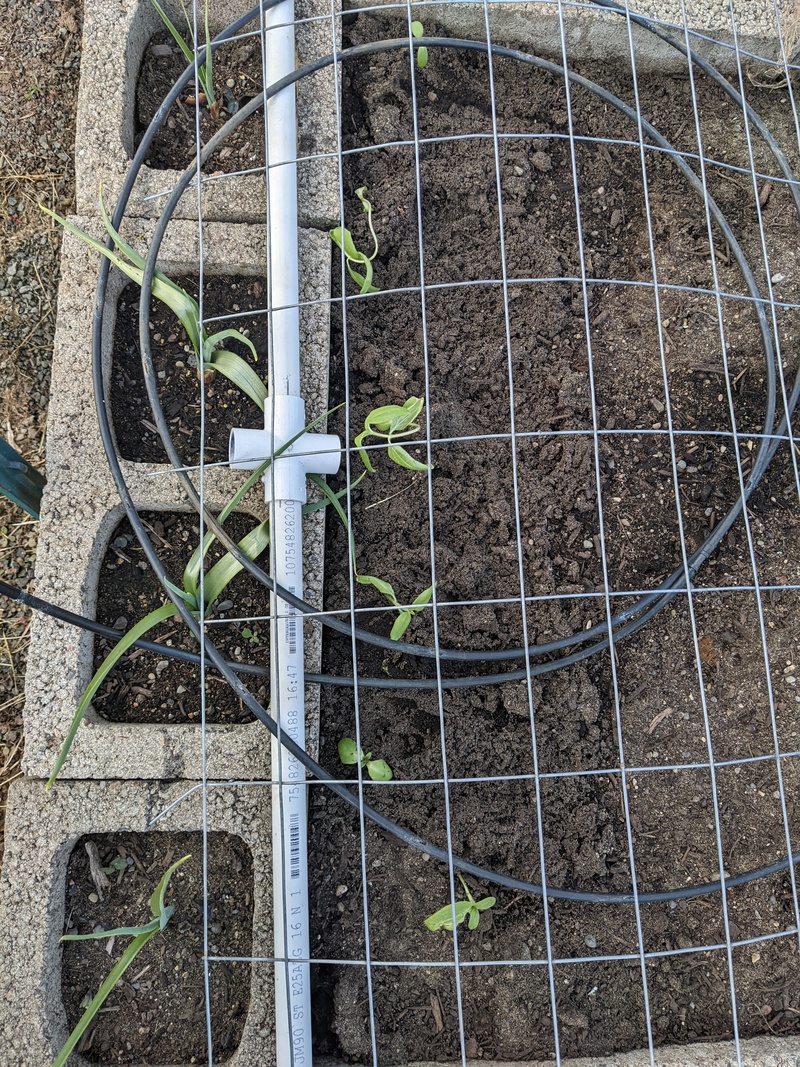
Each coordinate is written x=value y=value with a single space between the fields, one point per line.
x=622 y=624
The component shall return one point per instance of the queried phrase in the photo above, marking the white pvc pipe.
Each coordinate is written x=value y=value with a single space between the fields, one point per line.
x=289 y=801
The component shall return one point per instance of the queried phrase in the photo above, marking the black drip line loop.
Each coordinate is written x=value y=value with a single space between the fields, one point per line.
x=622 y=624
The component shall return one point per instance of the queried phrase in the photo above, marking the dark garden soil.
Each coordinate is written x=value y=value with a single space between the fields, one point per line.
x=237 y=74
x=145 y=687
x=176 y=369
x=156 y=1013
x=505 y=510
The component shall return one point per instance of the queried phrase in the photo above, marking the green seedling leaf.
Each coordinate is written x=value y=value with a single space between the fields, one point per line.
x=241 y=374
x=343 y=239
x=117 y=864
x=401 y=624
x=224 y=571
x=161 y=915
x=120 y=931
x=443 y=918
x=422 y=52
x=389 y=422
x=399 y=456
x=350 y=754
x=384 y=588
x=379 y=770
x=217 y=338
x=348 y=751
x=166 y=611
x=464 y=909
x=188 y=596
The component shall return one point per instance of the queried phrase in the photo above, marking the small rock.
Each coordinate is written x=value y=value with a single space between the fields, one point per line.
x=341 y=890
x=93 y=897
x=591 y=942
x=121 y=623
x=541 y=161
x=519 y=171
x=160 y=50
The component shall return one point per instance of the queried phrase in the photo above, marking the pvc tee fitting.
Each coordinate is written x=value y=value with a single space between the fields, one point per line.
x=311 y=453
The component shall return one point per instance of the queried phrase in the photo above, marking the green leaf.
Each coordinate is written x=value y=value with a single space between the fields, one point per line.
x=378 y=583
x=222 y=335
x=422 y=57
x=207 y=75
x=474 y=917
x=348 y=751
x=226 y=569
x=424 y=597
x=417 y=29
x=157 y=909
x=343 y=239
x=399 y=456
x=379 y=770
x=187 y=52
x=166 y=611
x=443 y=918
x=188 y=596
x=160 y=917
x=236 y=370
x=120 y=931
x=485 y=904
x=401 y=624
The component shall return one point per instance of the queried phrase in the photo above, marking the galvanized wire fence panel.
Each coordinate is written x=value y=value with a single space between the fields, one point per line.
x=585 y=270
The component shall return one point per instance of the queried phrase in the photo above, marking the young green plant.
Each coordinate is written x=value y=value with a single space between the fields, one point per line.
x=205 y=74
x=389 y=423
x=469 y=909
x=343 y=239
x=417 y=30
x=210 y=358
x=161 y=913
x=350 y=754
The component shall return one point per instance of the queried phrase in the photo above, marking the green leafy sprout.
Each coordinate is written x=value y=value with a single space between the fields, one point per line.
x=343 y=239
x=350 y=754
x=161 y=913
x=388 y=422
x=417 y=30
x=205 y=74
x=469 y=909
x=210 y=358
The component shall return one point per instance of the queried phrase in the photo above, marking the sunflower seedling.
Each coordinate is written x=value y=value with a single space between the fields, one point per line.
x=343 y=239
x=350 y=754
x=389 y=423
x=161 y=913
x=210 y=358
x=417 y=30
x=469 y=909
x=205 y=74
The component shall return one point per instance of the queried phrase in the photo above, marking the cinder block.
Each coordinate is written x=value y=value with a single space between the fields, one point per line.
x=41 y=831
x=81 y=508
x=602 y=36
x=114 y=41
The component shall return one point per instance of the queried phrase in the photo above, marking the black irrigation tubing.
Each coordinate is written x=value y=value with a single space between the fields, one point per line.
x=653 y=602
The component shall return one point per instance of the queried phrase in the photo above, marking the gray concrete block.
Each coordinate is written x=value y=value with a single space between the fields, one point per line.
x=81 y=507
x=41 y=831
x=114 y=41
x=593 y=34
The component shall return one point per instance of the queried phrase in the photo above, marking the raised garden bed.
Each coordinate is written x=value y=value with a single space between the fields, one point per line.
x=488 y=532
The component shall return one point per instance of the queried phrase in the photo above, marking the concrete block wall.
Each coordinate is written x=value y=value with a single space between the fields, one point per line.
x=115 y=37
x=81 y=508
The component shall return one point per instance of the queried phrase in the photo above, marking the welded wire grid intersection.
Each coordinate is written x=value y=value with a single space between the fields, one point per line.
x=623 y=766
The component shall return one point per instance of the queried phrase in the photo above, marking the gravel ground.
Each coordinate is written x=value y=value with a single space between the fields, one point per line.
x=39 y=64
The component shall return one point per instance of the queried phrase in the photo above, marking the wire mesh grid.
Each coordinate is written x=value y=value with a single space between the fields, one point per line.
x=585 y=271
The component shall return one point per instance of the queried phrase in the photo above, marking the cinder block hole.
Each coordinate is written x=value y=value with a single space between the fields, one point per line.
x=175 y=366
x=156 y=1013
x=237 y=79
x=153 y=688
